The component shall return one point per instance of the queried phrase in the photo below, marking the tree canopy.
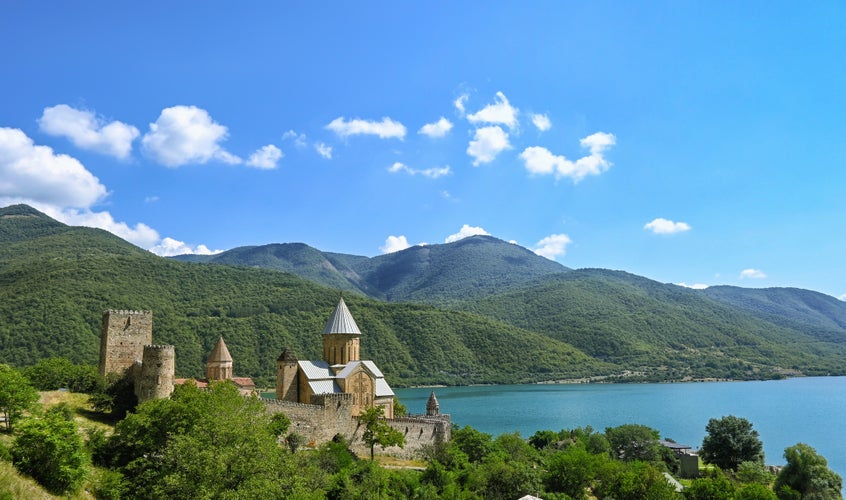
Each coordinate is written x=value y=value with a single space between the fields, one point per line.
x=16 y=394
x=730 y=441
x=807 y=476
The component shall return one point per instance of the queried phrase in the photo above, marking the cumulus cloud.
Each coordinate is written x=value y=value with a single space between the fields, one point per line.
x=323 y=150
x=466 y=231
x=552 y=246
x=487 y=143
x=141 y=234
x=88 y=131
x=756 y=274
x=695 y=286
x=436 y=130
x=541 y=122
x=540 y=161
x=186 y=134
x=432 y=173
x=394 y=244
x=665 y=226
x=300 y=140
x=266 y=158
x=501 y=112
x=169 y=247
x=842 y=297
x=386 y=129
x=31 y=173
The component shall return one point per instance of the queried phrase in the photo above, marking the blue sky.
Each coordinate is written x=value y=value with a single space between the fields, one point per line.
x=689 y=142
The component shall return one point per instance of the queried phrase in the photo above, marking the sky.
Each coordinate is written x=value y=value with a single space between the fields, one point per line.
x=695 y=143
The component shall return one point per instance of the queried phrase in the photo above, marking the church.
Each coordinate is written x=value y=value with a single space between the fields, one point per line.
x=341 y=371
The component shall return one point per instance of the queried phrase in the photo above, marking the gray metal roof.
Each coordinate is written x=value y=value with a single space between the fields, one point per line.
x=324 y=387
x=382 y=388
x=341 y=321
x=316 y=370
x=372 y=367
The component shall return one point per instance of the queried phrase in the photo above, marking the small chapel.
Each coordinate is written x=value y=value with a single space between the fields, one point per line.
x=341 y=371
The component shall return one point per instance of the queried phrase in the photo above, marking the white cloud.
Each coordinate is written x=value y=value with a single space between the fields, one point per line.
x=553 y=246
x=539 y=160
x=695 y=286
x=300 y=140
x=386 y=129
x=266 y=158
x=432 y=173
x=842 y=297
x=169 y=247
x=665 y=226
x=141 y=234
x=541 y=122
x=30 y=173
x=460 y=102
x=752 y=274
x=487 y=144
x=466 y=231
x=501 y=113
x=394 y=244
x=323 y=150
x=151 y=199
x=87 y=131
x=186 y=134
x=436 y=130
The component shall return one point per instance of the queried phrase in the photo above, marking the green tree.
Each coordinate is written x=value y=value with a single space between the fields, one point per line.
x=377 y=430
x=807 y=476
x=51 y=451
x=55 y=373
x=400 y=410
x=16 y=394
x=634 y=442
x=572 y=470
x=713 y=487
x=731 y=441
x=754 y=491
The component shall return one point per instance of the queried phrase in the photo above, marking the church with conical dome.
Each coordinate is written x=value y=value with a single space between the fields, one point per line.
x=341 y=371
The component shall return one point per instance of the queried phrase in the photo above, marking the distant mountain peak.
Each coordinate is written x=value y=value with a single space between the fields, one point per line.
x=22 y=210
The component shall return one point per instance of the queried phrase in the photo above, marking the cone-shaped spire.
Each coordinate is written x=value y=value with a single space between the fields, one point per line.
x=220 y=353
x=432 y=406
x=341 y=321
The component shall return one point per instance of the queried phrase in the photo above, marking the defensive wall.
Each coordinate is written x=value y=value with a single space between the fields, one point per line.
x=332 y=416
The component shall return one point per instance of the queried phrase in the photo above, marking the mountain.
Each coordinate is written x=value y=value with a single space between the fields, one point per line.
x=56 y=280
x=437 y=274
x=512 y=317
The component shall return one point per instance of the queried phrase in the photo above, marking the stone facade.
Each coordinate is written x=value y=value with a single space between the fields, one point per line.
x=157 y=368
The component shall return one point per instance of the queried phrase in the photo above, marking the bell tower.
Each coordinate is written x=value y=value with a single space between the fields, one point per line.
x=341 y=337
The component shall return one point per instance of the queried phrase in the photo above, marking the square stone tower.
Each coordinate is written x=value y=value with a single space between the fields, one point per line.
x=123 y=336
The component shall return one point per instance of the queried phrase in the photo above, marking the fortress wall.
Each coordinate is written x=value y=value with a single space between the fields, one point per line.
x=157 y=369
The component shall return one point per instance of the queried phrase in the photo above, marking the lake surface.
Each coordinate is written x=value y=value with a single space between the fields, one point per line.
x=784 y=412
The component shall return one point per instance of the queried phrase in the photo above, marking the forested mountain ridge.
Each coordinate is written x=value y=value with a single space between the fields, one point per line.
x=56 y=280
x=435 y=274
x=55 y=284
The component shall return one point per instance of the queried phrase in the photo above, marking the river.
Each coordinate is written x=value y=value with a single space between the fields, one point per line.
x=810 y=410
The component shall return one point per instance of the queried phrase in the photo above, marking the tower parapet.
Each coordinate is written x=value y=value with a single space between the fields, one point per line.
x=157 y=369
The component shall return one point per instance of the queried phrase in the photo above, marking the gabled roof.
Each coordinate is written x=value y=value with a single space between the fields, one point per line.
x=220 y=353
x=341 y=321
x=316 y=370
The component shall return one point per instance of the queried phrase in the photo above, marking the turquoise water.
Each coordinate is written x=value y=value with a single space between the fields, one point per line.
x=784 y=412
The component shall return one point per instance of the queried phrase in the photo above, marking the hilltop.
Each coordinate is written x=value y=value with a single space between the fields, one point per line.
x=503 y=314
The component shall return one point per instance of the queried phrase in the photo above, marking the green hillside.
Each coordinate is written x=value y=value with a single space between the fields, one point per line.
x=55 y=285
x=666 y=330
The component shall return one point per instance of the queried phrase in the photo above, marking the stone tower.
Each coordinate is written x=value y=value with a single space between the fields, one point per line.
x=220 y=365
x=341 y=337
x=157 y=368
x=123 y=335
x=432 y=406
x=287 y=385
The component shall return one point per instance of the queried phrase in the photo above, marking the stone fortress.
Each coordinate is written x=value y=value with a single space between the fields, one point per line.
x=322 y=398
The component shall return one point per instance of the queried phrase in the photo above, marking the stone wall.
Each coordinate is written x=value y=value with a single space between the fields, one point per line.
x=156 y=374
x=319 y=423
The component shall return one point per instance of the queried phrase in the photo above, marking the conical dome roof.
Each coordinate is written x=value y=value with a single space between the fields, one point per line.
x=341 y=321
x=220 y=353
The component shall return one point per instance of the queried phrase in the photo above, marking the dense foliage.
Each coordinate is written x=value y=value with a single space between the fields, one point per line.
x=16 y=395
x=731 y=441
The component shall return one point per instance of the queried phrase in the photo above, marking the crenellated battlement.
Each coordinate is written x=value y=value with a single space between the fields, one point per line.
x=127 y=312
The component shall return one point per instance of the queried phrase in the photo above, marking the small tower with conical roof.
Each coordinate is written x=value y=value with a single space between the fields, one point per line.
x=341 y=337
x=432 y=406
x=219 y=365
x=287 y=385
